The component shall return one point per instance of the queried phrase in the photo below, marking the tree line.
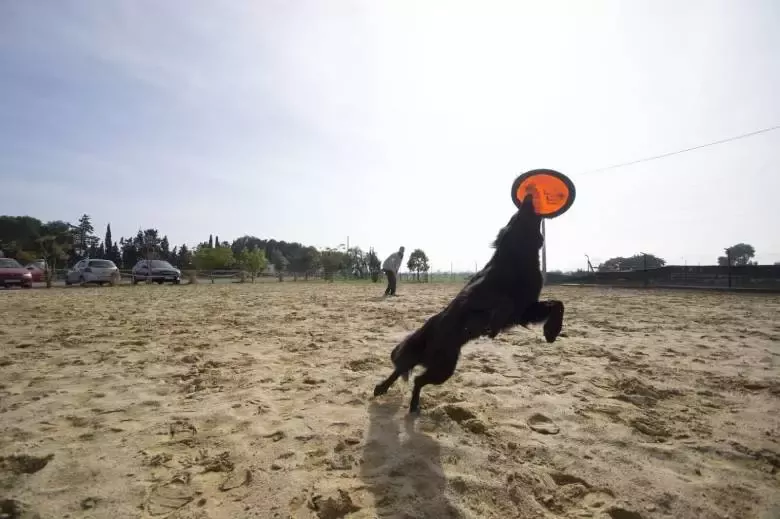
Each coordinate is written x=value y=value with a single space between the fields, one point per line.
x=737 y=255
x=60 y=243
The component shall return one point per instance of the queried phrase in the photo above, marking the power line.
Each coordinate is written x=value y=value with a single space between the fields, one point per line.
x=737 y=137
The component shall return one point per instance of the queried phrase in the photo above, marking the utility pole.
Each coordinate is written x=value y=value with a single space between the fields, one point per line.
x=728 y=259
x=644 y=254
x=544 y=253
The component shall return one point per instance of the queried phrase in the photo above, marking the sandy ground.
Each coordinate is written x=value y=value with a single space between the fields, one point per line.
x=233 y=401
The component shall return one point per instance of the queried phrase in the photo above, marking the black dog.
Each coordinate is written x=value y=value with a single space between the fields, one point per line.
x=503 y=294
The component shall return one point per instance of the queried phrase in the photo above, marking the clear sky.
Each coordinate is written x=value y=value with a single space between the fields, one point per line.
x=396 y=123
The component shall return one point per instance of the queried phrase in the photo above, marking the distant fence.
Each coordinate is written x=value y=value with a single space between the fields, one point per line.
x=748 y=276
x=126 y=275
x=236 y=274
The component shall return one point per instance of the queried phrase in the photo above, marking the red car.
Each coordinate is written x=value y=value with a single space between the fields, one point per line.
x=12 y=273
x=38 y=270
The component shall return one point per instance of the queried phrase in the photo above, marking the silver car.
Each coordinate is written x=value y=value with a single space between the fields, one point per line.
x=98 y=271
x=158 y=271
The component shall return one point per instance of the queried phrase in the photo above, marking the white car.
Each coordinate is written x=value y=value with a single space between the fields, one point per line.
x=158 y=271
x=98 y=271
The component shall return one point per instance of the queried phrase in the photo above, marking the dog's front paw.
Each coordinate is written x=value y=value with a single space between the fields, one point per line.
x=551 y=332
x=380 y=389
x=553 y=325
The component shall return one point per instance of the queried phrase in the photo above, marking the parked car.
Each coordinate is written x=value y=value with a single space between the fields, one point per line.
x=158 y=271
x=98 y=271
x=38 y=270
x=13 y=273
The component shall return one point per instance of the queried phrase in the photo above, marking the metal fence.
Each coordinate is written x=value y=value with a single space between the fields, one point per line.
x=236 y=275
x=747 y=276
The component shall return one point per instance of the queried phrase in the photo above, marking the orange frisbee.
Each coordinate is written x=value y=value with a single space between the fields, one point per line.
x=552 y=192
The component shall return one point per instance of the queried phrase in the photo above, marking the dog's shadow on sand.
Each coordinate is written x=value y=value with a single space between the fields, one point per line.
x=403 y=471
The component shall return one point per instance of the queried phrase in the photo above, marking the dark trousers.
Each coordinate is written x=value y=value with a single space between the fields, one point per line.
x=390 y=290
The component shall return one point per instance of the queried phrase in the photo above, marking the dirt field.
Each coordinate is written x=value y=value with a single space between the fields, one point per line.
x=233 y=401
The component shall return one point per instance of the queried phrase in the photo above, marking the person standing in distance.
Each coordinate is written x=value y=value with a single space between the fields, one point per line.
x=390 y=268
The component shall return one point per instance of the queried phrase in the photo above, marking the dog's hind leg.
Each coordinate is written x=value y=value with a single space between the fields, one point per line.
x=382 y=387
x=438 y=374
x=550 y=312
x=403 y=364
x=394 y=356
